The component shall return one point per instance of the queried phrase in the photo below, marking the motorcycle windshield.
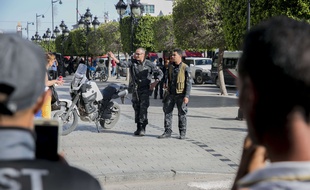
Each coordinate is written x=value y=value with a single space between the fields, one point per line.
x=81 y=70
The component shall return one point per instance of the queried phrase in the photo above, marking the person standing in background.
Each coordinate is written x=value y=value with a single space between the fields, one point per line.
x=49 y=83
x=141 y=71
x=178 y=87
x=113 y=65
x=159 y=86
x=54 y=69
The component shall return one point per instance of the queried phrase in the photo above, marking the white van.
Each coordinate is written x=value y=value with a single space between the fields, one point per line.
x=200 y=68
x=230 y=63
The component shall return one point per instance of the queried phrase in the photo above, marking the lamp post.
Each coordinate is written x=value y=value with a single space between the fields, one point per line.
x=41 y=15
x=47 y=38
x=85 y=23
x=28 y=29
x=36 y=38
x=121 y=9
x=136 y=11
x=60 y=2
x=65 y=33
x=77 y=11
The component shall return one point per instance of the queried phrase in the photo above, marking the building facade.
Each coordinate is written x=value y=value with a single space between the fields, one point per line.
x=157 y=7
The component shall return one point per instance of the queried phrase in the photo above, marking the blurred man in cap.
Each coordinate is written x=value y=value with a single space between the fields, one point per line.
x=22 y=92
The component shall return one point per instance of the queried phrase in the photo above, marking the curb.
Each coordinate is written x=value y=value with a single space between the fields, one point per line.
x=147 y=176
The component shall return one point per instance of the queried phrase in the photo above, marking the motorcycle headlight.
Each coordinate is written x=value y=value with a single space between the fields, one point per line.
x=76 y=82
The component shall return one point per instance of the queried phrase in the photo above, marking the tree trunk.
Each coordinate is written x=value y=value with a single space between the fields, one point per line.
x=220 y=72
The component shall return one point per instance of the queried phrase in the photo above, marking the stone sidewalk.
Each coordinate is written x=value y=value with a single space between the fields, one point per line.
x=212 y=147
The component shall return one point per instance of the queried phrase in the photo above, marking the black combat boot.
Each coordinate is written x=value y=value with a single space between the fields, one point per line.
x=142 y=131
x=137 y=132
x=182 y=134
x=166 y=134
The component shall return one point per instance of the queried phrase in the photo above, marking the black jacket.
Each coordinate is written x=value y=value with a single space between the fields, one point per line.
x=142 y=74
x=27 y=174
x=20 y=170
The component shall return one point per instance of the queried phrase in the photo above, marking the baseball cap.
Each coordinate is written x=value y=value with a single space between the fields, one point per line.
x=22 y=73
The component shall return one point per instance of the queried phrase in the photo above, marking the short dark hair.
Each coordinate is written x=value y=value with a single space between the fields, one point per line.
x=276 y=57
x=179 y=51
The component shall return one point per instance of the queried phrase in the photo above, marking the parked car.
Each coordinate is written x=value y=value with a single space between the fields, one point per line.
x=200 y=68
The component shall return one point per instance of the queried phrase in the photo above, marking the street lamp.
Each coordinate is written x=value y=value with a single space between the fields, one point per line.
x=28 y=29
x=36 y=38
x=47 y=38
x=65 y=33
x=136 y=10
x=85 y=23
x=41 y=15
x=56 y=31
x=121 y=10
x=60 y=2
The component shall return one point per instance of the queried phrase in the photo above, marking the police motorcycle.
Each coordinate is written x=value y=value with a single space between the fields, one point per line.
x=89 y=103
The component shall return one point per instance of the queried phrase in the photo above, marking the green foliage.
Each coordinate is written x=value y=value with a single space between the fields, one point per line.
x=78 y=42
x=143 y=30
x=144 y=33
x=125 y=28
x=197 y=24
x=235 y=15
x=109 y=37
x=95 y=43
x=163 y=33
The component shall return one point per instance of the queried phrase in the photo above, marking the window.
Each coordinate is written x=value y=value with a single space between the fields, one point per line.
x=189 y=62
x=149 y=8
x=230 y=63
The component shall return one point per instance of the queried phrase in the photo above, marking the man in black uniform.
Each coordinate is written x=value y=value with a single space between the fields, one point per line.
x=22 y=84
x=141 y=71
x=178 y=87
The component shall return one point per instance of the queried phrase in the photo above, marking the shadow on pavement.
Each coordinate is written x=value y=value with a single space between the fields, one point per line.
x=212 y=101
x=230 y=129
x=198 y=116
x=228 y=119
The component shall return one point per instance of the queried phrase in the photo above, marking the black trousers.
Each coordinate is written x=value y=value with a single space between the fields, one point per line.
x=168 y=107
x=140 y=103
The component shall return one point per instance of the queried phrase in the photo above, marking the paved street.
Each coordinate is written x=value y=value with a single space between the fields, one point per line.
x=206 y=159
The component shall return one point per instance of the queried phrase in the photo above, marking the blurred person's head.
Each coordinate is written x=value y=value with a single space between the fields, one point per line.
x=167 y=61
x=22 y=81
x=177 y=56
x=140 y=55
x=274 y=80
x=50 y=59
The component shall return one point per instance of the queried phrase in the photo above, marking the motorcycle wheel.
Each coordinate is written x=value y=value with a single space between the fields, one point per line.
x=109 y=123
x=68 y=125
x=103 y=78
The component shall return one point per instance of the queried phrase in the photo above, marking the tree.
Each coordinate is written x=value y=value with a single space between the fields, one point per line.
x=125 y=29
x=144 y=33
x=110 y=37
x=200 y=28
x=235 y=19
x=142 y=30
x=196 y=24
x=163 y=33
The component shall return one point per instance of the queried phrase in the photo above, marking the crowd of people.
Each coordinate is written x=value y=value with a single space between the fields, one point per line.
x=278 y=131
